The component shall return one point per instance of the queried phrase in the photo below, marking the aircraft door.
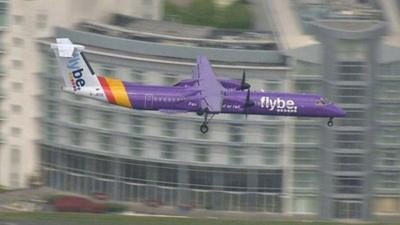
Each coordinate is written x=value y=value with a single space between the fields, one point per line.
x=148 y=102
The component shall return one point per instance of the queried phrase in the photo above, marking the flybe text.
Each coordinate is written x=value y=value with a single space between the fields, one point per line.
x=278 y=104
x=76 y=76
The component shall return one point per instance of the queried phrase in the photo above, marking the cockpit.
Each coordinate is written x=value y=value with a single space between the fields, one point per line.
x=322 y=102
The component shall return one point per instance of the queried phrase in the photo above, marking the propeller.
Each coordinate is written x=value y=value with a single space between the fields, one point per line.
x=248 y=103
x=243 y=84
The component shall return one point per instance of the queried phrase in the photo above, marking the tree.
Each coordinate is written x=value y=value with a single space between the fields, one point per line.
x=236 y=15
x=200 y=12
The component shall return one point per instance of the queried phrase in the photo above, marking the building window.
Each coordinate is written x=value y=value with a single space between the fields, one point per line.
x=350 y=140
x=15 y=155
x=389 y=157
x=388 y=135
x=270 y=156
x=76 y=137
x=17 y=64
x=52 y=111
x=389 y=69
x=306 y=134
x=168 y=151
x=305 y=205
x=14 y=179
x=348 y=162
x=388 y=181
x=385 y=112
x=16 y=86
x=170 y=79
x=307 y=86
x=41 y=21
x=16 y=109
x=354 y=117
x=388 y=90
x=15 y=131
x=105 y=142
x=201 y=154
x=305 y=180
x=273 y=85
x=106 y=120
x=18 y=42
x=351 y=50
x=108 y=71
x=169 y=128
x=136 y=146
x=235 y=132
x=18 y=19
x=51 y=133
x=305 y=156
x=138 y=76
x=76 y=115
x=307 y=68
x=3 y=13
x=348 y=184
x=235 y=155
x=351 y=71
x=271 y=134
x=351 y=95
x=137 y=124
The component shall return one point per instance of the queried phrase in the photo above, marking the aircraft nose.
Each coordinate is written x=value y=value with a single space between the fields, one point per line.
x=337 y=111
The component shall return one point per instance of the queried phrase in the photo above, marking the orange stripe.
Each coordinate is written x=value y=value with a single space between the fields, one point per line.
x=119 y=92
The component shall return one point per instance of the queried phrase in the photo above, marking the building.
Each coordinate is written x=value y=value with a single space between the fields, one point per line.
x=267 y=166
x=21 y=109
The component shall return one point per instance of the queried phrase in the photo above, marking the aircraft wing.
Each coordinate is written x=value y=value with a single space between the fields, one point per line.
x=211 y=89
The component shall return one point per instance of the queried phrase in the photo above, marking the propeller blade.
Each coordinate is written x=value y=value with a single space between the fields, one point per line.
x=244 y=85
x=248 y=103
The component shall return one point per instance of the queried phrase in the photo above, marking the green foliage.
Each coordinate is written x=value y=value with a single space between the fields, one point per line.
x=236 y=15
x=53 y=198
x=205 y=13
x=2 y=189
x=172 y=11
x=115 y=207
x=200 y=12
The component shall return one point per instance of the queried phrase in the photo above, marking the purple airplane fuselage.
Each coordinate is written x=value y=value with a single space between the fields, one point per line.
x=183 y=99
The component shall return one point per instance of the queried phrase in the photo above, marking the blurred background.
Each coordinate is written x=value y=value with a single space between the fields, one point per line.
x=347 y=50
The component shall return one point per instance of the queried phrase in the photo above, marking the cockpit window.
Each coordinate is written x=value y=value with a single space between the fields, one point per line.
x=322 y=101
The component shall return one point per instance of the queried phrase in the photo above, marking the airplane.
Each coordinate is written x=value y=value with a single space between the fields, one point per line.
x=203 y=94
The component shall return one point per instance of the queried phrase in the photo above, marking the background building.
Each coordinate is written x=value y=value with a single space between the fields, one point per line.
x=27 y=21
x=345 y=50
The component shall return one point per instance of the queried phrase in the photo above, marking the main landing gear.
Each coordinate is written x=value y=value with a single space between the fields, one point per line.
x=207 y=119
x=330 y=122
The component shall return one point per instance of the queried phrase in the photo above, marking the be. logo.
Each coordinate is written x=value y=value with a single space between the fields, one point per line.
x=76 y=76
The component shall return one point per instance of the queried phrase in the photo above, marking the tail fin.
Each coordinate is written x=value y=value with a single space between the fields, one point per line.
x=79 y=77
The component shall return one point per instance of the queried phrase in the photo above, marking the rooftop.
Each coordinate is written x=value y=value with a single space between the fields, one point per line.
x=181 y=34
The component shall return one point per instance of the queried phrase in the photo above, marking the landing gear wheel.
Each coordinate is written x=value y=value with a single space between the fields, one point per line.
x=204 y=128
x=330 y=122
x=200 y=113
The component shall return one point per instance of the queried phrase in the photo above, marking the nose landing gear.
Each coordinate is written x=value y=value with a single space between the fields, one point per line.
x=330 y=122
x=203 y=128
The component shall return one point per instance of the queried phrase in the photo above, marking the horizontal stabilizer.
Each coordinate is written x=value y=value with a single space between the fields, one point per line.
x=65 y=47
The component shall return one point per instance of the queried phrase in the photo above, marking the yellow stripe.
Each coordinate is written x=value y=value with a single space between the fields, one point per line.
x=118 y=90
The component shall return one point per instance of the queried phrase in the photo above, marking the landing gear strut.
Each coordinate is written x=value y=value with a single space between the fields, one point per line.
x=204 y=127
x=330 y=122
